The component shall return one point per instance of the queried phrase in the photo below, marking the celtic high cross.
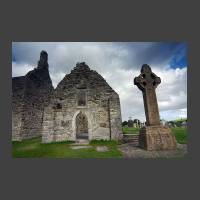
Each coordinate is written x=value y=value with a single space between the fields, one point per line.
x=147 y=82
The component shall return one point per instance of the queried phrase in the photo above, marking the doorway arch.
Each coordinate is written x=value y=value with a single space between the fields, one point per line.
x=81 y=126
x=88 y=116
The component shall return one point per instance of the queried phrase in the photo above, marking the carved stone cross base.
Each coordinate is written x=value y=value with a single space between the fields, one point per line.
x=157 y=138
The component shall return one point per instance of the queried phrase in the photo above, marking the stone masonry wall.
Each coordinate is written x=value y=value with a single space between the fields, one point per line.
x=103 y=115
x=31 y=94
x=18 y=84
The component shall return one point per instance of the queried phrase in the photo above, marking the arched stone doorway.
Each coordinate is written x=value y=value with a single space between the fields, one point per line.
x=81 y=126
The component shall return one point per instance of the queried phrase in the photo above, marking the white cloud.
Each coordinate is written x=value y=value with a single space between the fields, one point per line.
x=20 y=69
x=118 y=64
x=57 y=77
x=171 y=93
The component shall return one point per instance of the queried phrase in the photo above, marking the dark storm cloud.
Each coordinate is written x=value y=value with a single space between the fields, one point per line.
x=156 y=54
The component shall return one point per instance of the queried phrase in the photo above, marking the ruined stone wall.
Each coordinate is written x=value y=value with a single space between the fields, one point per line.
x=31 y=94
x=36 y=96
x=115 y=117
x=103 y=116
x=18 y=84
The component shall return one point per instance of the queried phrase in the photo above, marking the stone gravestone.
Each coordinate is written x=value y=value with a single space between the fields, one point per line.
x=153 y=136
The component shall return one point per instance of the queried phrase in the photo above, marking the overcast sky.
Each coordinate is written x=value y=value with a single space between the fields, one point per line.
x=118 y=63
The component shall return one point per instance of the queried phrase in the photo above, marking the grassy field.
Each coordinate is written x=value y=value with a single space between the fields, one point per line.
x=179 y=132
x=130 y=130
x=34 y=148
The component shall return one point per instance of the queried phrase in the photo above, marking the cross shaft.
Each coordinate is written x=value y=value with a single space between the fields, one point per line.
x=147 y=82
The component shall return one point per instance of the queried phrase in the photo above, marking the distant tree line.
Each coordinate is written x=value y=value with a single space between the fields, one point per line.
x=131 y=123
x=177 y=122
x=173 y=123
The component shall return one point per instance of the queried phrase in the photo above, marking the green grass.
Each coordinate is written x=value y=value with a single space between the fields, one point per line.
x=180 y=134
x=130 y=130
x=180 y=120
x=33 y=148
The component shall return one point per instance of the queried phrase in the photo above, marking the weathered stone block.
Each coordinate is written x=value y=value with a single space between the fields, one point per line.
x=157 y=138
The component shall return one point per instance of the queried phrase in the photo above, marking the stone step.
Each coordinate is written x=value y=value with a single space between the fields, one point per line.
x=131 y=138
x=81 y=142
x=131 y=135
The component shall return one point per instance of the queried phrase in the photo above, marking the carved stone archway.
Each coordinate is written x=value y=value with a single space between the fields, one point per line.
x=77 y=114
x=81 y=126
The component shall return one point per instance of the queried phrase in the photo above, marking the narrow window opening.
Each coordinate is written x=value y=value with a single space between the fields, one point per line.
x=81 y=98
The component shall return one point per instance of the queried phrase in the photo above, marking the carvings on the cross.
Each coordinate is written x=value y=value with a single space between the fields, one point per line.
x=154 y=136
x=147 y=82
x=147 y=79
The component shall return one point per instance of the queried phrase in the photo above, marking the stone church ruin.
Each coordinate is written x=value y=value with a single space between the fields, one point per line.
x=82 y=106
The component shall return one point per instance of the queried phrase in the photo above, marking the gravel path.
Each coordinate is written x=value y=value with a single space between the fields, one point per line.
x=129 y=151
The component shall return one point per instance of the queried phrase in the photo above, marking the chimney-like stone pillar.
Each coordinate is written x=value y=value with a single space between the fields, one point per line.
x=43 y=62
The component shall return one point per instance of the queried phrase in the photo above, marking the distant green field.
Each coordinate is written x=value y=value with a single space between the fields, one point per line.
x=130 y=130
x=34 y=148
x=179 y=132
